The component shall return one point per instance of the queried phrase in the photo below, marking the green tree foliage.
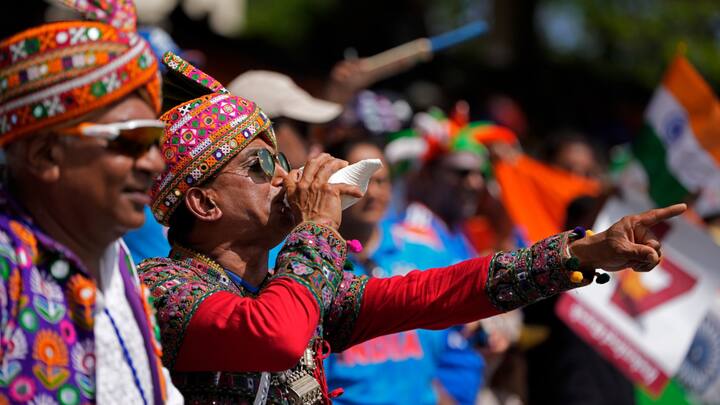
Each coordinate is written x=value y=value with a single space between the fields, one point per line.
x=635 y=37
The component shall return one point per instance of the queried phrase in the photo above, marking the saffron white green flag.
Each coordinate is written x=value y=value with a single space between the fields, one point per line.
x=680 y=144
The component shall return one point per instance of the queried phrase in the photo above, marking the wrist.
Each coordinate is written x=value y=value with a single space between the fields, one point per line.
x=324 y=221
x=582 y=249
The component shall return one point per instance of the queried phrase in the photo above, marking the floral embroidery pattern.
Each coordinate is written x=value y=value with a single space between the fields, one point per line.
x=51 y=354
x=313 y=256
x=82 y=300
x=83 y=360
x=47 y=308
x=25 y=236
x=340 y=320
x=178 y=288
x=523 y=276
x=48 y=299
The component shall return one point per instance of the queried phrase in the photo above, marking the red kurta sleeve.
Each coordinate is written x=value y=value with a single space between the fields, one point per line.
x=442 y=297
x=430 y=299
x=233 y=333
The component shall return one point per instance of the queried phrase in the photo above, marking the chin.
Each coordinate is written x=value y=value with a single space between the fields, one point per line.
x=130 y=219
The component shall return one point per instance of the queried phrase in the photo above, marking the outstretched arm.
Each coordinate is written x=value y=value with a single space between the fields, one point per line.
x=478 y=288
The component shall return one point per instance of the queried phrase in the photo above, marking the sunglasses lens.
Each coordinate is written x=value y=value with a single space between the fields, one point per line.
x=135 y=142
x=266 y=162
x=283 y=162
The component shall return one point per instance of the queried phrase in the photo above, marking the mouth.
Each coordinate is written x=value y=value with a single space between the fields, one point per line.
x=137 y=195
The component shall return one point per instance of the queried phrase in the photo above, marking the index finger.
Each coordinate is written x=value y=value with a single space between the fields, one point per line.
x=312 y=166
x=652 y=217
x=328 y=169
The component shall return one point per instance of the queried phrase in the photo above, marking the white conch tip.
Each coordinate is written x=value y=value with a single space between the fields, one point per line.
x=357 y=174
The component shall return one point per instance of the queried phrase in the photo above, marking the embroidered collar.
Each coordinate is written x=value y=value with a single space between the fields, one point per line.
x=214 y=270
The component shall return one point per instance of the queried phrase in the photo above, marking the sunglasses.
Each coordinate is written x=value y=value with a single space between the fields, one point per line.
x=267 y=160
x=133 y=138
x=264 y=162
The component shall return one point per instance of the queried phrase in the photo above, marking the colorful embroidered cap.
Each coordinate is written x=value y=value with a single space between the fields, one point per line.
x=202 y=134
x=63 y=70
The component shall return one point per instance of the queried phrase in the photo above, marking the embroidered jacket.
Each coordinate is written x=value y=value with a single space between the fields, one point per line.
x=221 y=340
x=49 y=322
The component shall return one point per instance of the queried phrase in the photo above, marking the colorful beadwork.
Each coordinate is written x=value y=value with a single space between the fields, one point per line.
x=59 y=71
x=118 y=13
x=314 y=256
x=201 y=136
x=180 y=283
x=181 y=66
x=523 y=276
x=339 y=322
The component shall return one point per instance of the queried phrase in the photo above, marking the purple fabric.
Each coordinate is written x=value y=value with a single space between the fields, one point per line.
x=135 y=300
x=47 y=312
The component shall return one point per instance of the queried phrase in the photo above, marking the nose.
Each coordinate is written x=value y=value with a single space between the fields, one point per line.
x=151 y=162
x=278 y=175
x=279 y=171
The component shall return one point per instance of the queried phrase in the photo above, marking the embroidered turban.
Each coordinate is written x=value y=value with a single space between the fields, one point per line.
x=63 y=70
x=201 y=134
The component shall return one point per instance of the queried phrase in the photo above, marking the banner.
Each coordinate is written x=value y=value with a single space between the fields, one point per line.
x=645 y=323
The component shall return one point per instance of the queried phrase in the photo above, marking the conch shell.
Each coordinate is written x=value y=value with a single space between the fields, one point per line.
x=357 y=174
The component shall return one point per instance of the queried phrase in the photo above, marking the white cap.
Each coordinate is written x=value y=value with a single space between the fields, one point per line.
x=278 y=96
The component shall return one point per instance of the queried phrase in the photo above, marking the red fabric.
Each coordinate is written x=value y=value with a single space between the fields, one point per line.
x=430 y=299
x=233 y=333
x=271 y=332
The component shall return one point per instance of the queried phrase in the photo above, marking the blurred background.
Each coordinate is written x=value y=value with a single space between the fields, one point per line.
x=590 y=64
x=572 y=81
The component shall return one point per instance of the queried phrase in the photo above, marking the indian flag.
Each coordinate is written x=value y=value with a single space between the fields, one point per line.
x=680 y=144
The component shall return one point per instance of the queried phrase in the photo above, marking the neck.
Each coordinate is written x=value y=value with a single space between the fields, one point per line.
x=368 y=235
x=88 y=245
x=248 y=262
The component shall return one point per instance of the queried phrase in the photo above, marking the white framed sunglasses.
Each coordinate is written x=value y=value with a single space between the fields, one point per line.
x=132 y=138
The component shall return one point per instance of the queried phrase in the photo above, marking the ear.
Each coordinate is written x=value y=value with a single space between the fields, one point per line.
x=40 y=155
x=201 y=204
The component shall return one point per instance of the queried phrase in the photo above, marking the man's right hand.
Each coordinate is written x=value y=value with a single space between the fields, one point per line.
x=310 y=196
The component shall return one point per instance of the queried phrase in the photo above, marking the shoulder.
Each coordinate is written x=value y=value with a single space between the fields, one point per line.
x=166 y=273
x=177 y=292
x=168 y=278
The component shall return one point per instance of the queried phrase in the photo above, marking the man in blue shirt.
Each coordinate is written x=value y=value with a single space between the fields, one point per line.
x=442 y=193
x=403 y=368
x=391 y=369
x=428 y=239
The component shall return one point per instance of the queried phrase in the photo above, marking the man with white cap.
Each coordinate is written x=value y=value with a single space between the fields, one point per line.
x=290 y=107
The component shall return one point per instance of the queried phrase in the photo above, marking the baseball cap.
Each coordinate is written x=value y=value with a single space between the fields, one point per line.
x=279 y=96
